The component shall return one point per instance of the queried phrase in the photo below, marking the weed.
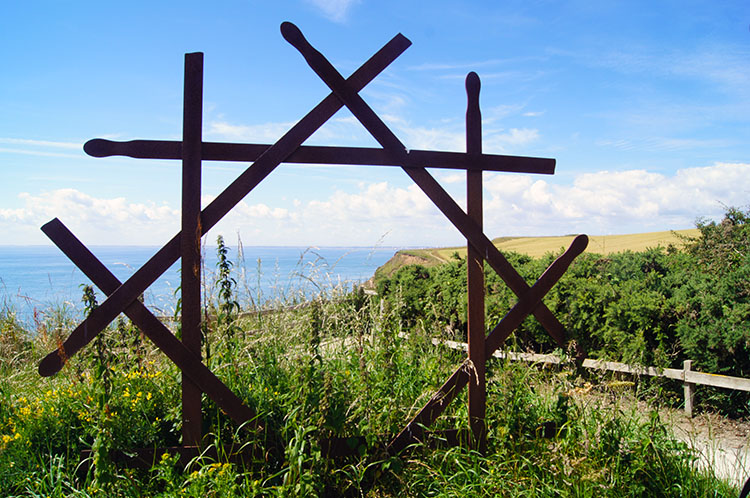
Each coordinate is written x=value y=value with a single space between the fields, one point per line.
x=337 y=367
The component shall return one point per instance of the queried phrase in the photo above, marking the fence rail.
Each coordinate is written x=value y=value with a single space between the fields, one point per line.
x=686 y=375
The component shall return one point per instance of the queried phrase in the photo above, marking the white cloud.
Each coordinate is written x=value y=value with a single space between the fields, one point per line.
x=499 y=141
x=594 y=203
x=94 y=220
x=41 y=143
x=613 y=202
x=494 y=141
x=335 y=10
x=340 y=130
x=42 y=153
x=432 y=138
x=263 y=133
x=43 y=148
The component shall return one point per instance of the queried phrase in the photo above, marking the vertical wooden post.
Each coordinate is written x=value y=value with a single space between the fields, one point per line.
x=190 y=241
x=475 y=271
x=689 y=387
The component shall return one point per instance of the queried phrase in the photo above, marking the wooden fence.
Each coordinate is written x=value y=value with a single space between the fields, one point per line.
x=686 y=375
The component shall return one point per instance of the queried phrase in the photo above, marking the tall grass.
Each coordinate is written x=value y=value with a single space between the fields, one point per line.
x=335 y=367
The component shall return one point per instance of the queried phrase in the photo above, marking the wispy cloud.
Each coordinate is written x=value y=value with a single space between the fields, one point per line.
x=662 y=144
x=472 y=65
x=499 y=141
x=722 y=65
x=437 y=66
x=40 y=143
x=334 y=10
x=44 y=148
x=261 y=133
x=42 y=153
x=515 y=76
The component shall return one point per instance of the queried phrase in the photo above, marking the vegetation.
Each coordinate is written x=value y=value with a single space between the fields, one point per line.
x=341 y=367
x=536 y=247
x=655 y=307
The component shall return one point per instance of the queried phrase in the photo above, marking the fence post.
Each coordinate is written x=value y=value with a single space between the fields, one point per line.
x=689 y=387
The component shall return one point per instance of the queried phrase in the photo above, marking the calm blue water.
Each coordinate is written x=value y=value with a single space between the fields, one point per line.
x=35 y=278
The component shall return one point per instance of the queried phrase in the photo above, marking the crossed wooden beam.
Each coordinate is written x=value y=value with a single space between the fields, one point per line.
x=186 y=354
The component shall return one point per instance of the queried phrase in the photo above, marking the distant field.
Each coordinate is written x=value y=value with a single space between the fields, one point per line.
x=539 y=246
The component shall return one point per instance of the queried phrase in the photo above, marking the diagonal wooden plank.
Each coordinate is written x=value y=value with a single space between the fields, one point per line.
x=316 y=154
x=378 y=129
x=458 y=380
x=220 y=206
x=160 y=335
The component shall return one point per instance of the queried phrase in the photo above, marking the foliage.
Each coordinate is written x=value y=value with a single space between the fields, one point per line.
x=655 y=307
x=713 y=303
x=341 y=365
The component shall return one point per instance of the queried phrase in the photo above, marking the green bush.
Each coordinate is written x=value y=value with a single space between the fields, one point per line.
x=657 y=307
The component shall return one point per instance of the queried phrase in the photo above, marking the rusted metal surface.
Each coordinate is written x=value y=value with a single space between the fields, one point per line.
x=525 y=305
x=186 y=245
x=190 y=241
x=475 y=271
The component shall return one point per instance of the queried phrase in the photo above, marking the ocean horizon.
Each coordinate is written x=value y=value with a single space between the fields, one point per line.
x=38 y=279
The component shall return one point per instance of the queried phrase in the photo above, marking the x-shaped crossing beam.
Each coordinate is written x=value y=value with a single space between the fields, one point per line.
x=530 y=298
x=456 y=382
x=175 y=350
x=350 y=97
x=123 y=297
x=274 y=155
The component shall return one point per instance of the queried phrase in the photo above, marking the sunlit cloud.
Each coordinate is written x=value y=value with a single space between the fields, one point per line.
x=595 y=203
x=614 y=202
x=95 y=220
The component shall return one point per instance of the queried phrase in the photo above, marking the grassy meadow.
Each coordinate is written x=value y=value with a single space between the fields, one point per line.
x=336 y=367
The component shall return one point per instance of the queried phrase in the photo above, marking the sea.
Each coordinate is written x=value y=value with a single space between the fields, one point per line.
x=38 y=280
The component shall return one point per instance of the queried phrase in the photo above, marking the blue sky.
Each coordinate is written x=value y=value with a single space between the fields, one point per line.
x=645 y=106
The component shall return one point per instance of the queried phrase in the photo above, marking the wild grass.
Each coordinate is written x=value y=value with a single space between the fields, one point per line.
x=335 y=367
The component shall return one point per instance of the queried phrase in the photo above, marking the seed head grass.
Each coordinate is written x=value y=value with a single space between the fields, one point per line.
x=336 y=363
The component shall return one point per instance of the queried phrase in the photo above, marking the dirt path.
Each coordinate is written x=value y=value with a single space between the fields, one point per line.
x=723 y=444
